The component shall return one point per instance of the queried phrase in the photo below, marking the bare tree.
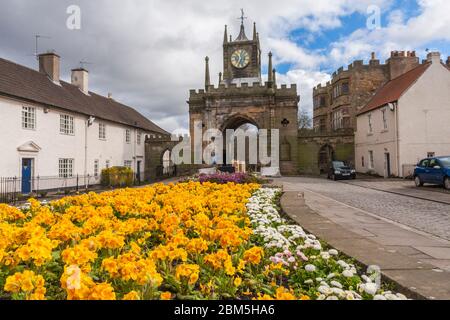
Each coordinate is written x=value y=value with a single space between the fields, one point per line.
x=305 y=120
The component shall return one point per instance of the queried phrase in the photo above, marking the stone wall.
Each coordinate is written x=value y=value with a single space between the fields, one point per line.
x=310 y=145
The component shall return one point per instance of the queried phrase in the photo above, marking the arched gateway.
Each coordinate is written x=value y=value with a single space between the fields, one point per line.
x=242 y=98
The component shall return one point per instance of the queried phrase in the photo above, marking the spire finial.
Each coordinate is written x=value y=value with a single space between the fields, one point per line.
x=254 y=31
x=242 y=36
x=242 y=17
x=275 y=78
x=225 y=36
x=220 y=78
x=270 y=69
x=207 y=76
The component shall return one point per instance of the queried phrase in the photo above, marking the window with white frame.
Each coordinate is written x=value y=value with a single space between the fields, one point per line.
x=371 y=160
x=385 y=122
x=96 y=168
x=102 y=131
x=108 y=164
x=66 y=168
x=128 y=164
x=370 y=123
x=138 y=138
x=28 y=118
x=66 y=124
x=127 y=135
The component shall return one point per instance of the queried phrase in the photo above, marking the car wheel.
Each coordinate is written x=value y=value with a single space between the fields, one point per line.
x=447 y=183
x=418 y=181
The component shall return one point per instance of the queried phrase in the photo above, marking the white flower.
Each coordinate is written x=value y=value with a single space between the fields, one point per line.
x=333 y=252
x=310 y=268
x=366 y=278
x=379 y=297
x=319 y=279
x=331 y=276
x=291 y=260
x=369 y=288
x=332 y=298
x=391 y=296
x=325 y=290
x=325 y=255
x=401 y=296
x=336 y=284
x=347 y=273
x=309 y=281
x=321 y=297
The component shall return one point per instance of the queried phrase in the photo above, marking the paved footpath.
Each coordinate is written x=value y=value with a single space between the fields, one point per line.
x=378 y=228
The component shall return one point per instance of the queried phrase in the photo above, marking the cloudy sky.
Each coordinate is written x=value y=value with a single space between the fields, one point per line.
x=149 y=53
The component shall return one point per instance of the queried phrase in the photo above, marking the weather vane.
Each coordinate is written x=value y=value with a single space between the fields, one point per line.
x=242 y=17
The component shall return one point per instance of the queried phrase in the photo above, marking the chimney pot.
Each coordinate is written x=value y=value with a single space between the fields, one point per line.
x=373 y=56
x=49 y=64
x=80 y=79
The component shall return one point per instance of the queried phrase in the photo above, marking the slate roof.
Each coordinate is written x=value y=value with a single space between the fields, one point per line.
x=27 y=84
x=394 y=89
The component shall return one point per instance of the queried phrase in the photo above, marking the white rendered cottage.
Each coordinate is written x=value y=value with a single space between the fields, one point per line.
x=407 y=120
x=50 y=128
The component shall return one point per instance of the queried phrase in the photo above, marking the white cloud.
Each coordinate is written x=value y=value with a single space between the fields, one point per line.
x=150 y=53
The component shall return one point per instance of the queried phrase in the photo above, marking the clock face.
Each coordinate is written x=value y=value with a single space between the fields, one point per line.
x=240 y=59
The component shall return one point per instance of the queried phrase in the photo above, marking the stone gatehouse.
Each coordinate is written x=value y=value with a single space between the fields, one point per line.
x=242 y=98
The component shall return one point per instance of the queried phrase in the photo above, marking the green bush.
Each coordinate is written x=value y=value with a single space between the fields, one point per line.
x=117 y=177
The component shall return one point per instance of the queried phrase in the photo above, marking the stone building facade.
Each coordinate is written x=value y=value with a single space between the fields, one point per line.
x=337 y=103
x=242 y=98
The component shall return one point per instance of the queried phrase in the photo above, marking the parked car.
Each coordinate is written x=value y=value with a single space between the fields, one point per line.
x=339 y=170
x=433 y=171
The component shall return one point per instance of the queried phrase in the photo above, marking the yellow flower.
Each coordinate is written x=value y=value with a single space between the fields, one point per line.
x=237 y=282
x=187 y=271
x=254 y=255
x=166 y=296
x=133 y=295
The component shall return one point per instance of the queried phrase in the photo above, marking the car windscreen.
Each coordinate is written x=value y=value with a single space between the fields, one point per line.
x=338 y=164
x=445 y=162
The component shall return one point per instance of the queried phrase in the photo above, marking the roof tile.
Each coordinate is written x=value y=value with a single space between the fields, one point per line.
x=25 y=83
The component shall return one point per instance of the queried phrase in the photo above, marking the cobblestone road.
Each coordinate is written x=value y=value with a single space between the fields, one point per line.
x=427 y=216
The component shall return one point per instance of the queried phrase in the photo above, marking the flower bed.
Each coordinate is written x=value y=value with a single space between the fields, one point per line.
x=223 y=178
x=186 y=241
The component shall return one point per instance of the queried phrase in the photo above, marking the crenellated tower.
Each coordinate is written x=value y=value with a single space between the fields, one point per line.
x=243 y=98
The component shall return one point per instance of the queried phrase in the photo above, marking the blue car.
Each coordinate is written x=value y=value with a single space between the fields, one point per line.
x=433 y=171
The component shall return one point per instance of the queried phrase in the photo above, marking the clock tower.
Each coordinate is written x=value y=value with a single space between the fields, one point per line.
x=243 y=98
x=241 y=57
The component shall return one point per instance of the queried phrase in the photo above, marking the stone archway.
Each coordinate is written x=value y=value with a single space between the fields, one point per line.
x=251 y=128
x=326 y=156
x=157 y=164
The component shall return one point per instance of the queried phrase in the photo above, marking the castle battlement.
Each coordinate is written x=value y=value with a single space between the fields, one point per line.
x=256 y=88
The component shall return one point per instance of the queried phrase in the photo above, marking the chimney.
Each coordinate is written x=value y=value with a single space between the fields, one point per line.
x=49 y=64
x=401 y=62
x=80 y=79
x=373 y=57
x=434 y=57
